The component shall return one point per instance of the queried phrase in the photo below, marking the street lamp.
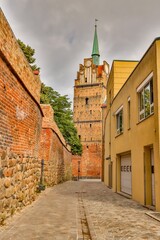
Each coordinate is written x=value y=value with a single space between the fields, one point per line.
x=78 y=169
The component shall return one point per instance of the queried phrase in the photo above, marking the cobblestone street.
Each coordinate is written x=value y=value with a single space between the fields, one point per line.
x=81 y=210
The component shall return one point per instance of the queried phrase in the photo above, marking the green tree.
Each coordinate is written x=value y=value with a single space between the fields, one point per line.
x=63 y=116
x=29 y=53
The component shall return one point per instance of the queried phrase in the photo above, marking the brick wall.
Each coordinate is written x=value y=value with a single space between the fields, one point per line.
x=23 y=141
x=16 y=60
x=54 y=151
x=67 y=164
x=20 y=125
x=89 y=94
x=90 y=163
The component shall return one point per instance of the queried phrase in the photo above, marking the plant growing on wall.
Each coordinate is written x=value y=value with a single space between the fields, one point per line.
x=29 y=53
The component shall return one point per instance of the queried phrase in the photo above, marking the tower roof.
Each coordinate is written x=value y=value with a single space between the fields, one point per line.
x=95 y=49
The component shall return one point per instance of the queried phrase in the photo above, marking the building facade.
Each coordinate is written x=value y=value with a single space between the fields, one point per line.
x=131 y=156
x=89 y=94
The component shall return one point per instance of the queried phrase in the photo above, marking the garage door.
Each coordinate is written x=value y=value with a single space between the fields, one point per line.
x=126 y=174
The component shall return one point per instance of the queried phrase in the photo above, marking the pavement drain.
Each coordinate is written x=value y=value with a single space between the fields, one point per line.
x=83 y=218
x=155 y=215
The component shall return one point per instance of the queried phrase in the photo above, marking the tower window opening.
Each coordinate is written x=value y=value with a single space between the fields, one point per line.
x=79 y=137
x=90 y=111
x=90 y=125
x=87 y=100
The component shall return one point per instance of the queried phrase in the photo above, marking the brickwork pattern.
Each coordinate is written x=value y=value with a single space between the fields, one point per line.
x=20 y=127
x=54 y=150
x=14 y=56
x=89 y=94
x=86 y=168
x=21 y=130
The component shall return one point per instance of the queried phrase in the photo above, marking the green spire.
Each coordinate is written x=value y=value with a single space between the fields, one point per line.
x=95 y=50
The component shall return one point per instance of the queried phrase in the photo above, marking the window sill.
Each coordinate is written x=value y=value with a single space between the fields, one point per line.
x=145 y=118
x=118 y=134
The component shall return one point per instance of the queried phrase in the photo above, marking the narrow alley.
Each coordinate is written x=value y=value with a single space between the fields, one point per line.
x=81 y=210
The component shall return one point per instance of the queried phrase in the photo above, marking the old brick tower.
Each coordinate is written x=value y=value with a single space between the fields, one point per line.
x=89 y=94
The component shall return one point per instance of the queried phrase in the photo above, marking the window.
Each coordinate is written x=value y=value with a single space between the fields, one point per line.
x=119 y=120
x=87 y=99
x=129 y=113
x=146 y=105
x=90 y=125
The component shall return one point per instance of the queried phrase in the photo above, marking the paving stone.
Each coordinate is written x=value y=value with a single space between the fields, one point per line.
x=56 y=214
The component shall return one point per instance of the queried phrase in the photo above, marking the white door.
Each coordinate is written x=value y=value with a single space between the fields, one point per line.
x=152 y=172
x=126 y=174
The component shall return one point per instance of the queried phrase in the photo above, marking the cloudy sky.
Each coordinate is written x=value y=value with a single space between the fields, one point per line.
x=61 y=32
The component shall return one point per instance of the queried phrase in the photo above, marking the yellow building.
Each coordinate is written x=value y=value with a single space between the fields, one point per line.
x=132 y=128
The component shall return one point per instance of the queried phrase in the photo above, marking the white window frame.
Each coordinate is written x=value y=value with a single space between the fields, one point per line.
x=141 y=90
x=129 y=112
x=118 y=114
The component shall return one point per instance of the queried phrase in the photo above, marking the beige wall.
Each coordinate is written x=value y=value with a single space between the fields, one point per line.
x=120 y=71
x=141 y=135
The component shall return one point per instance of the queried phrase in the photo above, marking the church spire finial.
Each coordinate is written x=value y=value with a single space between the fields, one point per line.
x=95 y=49
x=96 y=20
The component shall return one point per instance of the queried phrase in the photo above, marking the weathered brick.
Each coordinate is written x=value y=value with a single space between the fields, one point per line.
x=20 y=115
x=89 y=94
x=22 y=139
x=53 y=150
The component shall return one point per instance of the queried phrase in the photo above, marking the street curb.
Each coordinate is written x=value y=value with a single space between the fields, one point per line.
x=79 y=227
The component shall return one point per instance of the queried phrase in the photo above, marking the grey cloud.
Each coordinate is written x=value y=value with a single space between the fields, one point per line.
x=62 y=32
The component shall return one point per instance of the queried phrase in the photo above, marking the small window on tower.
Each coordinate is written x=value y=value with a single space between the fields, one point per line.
x=79 y=137
x=90 y=125
x=90 y=111
x=87 y=100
